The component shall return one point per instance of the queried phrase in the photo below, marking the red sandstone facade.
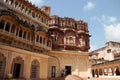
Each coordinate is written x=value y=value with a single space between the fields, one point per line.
x=69 y=34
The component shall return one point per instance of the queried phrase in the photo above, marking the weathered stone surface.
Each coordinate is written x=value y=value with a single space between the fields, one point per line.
x=73 y=77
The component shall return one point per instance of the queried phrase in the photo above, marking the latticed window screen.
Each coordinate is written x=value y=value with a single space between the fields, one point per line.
x=34 y=71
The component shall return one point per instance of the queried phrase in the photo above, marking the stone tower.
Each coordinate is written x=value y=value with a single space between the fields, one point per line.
x=46 y=9
x=69 y=34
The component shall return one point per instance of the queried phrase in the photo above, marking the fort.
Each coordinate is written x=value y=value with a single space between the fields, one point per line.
x=35 y=45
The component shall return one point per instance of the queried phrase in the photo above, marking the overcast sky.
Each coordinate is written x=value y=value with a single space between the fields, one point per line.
x=102 y=16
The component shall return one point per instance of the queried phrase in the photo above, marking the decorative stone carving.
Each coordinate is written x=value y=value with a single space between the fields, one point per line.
x=4 y=52
x=14 y=55
x=33 y=58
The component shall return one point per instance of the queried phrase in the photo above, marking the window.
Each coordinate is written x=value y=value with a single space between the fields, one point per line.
x=16 y=3
x=44 y=41
x=33 y=14
x=48 y=43
x=24 y=36
x=32 y=37
x=40 y=39
x=34 y=71
x=28 y=38
x=20 y=33
x=13 y=29
x=7 y=28
x=53 y=71
x=37 y=38
x=109 y=50
x=17 y=29
x=2 y=23
x=11 y=2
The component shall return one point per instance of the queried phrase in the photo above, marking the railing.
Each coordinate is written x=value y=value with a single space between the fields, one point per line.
x=6 y=33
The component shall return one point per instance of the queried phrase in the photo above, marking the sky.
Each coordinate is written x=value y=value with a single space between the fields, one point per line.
x=102 y=16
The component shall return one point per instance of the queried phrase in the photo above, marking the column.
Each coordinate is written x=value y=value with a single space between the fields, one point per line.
x=39 y=39
x=15 y=30
x=77 y=62
x=22 y=34
x=8 y=64
x=10 y=29
x=18 y=32
x=27 y=67
x=4 y=26
x=26 y=35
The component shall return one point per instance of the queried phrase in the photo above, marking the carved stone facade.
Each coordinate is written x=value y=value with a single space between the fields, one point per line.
x=108 y=53
x=26 y=50
x=69 y=34
x=105 y=62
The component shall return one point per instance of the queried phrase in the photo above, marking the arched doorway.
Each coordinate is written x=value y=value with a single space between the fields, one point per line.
x=35 y=69
x=17 y=67
x=117 y=71
x=2 y=65
x=105 y=71
x=96 y=72
x=110 y=71
x=100 y=72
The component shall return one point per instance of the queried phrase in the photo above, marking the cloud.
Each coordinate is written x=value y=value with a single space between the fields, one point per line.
x=108 y=19
x=89 y=6
x=110 y=26
x=105 y=19
x=36 y=2
x=112 y=19
x=112 y=32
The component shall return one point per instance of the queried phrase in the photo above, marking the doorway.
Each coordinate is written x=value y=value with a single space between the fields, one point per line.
x=68 y=70
x=16 y=70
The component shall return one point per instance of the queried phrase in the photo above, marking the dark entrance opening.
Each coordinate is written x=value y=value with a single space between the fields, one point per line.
x=93 y=73
x=16 y=71
x=117 y=72
x=68 y=70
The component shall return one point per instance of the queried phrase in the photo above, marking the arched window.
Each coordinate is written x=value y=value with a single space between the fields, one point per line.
x=24 y=36
x=37 y=38
x=13 y=29
x=16 y=4
x=35 y=66
x=28 y=38
x=43 y=40
x=40 y=39
x=7 y=28
x=2 y=23
x=20 y=33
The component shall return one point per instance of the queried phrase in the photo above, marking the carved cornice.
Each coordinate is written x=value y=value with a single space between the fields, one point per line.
x=20 y=21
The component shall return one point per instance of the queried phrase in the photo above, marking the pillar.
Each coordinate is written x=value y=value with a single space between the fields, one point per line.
x=27 y=67
x=8 y=63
